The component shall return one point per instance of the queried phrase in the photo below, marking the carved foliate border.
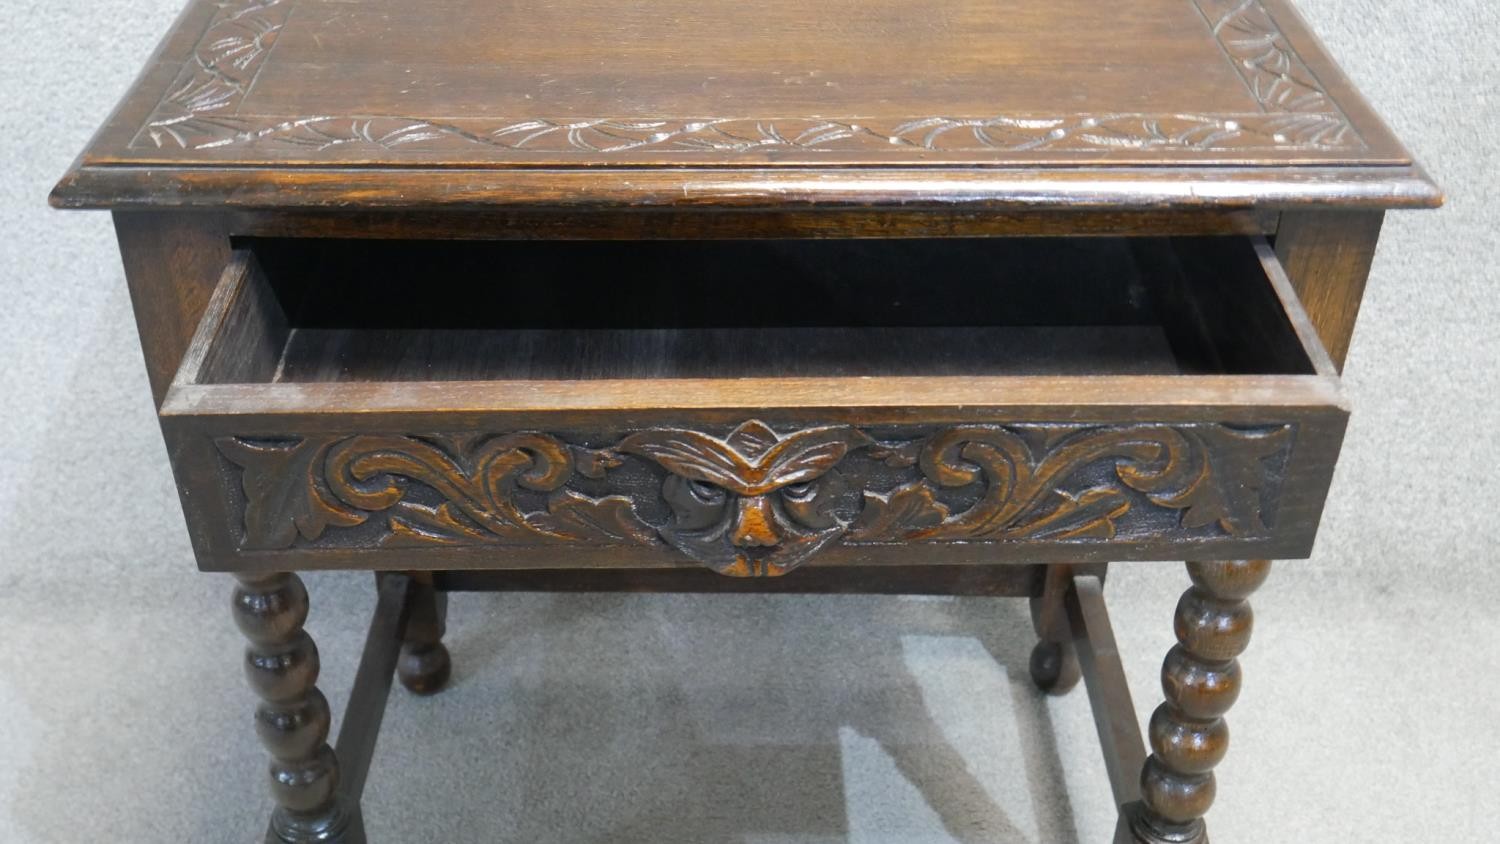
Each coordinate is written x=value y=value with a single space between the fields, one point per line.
x=199 y=112
x=756 y=501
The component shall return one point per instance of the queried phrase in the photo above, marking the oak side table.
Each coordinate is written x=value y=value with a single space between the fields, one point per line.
x=877 y=296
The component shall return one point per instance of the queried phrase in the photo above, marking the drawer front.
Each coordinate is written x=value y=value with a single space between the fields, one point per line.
x=745 y=476
x=755 y=498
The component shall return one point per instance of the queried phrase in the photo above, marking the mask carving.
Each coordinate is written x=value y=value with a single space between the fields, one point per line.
x=753 y=504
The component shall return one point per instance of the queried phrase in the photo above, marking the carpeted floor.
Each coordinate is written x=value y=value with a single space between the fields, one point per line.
x=1368 y=714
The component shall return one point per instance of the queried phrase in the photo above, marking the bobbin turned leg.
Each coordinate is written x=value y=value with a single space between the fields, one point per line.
x=425 y=666
x=292 y=719
x=1201 y=680
x=1054 y=662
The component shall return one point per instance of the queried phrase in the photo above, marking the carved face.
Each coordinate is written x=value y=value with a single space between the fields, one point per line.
x=752 y=504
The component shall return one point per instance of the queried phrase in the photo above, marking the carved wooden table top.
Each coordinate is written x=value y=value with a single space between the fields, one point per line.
x=740 y=103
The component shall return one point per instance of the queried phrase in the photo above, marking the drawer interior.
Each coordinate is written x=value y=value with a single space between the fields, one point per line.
x=318 y=310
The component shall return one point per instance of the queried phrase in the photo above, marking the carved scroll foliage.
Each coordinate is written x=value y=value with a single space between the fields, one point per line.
x=729 y=135
x=303 y=487
x=1270 y=67
x=1276 y=76
x=218 y=76
x=757 y=502
x=200 y=111
x=1212 y=474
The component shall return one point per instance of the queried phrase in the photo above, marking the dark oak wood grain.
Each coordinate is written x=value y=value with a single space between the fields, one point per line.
x=1201 y=681
x=396 y=600
x=425 y=665
x=1109 y=693
x=292 y=720
x=173 y=262
x=1327 y=255
x=1020 y=581
x=847 y=308
x=680 y=82
x=721 y=104
x=1054 y=663
x=836 y=193
x=639 y=223
x=745 y=491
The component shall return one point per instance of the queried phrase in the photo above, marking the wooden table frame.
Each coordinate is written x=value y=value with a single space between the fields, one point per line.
x=173 y=258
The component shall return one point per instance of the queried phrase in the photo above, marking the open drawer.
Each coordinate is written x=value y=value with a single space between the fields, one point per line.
x=751 y=406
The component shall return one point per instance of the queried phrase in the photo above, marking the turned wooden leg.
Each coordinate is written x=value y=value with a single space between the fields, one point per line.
x=1201 y=680
x=292 y=719
x=425 y=666
x=1054 y=662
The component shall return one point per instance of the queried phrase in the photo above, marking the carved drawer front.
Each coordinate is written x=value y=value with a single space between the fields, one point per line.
x=751 y=407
